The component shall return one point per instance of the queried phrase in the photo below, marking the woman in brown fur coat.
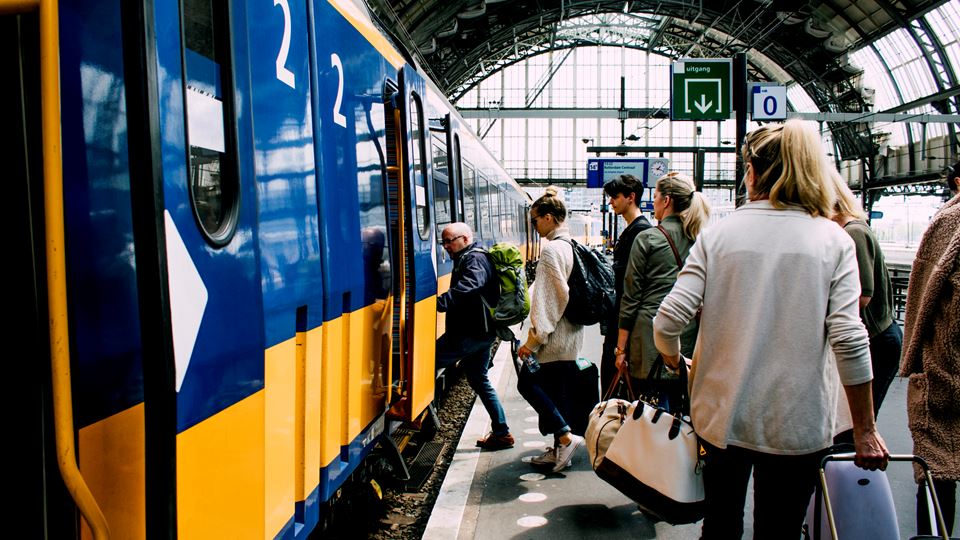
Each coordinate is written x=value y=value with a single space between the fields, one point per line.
x=931 y=358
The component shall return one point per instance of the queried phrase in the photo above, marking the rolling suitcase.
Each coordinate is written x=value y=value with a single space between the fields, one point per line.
x=851 y=503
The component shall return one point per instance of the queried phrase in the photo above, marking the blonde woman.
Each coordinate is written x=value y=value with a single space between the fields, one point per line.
x=655 y=260
x=777 y=282
x=876 y=291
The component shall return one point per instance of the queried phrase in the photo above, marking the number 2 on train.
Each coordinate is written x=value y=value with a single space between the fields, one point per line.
x=338 y=118
x=284 y=75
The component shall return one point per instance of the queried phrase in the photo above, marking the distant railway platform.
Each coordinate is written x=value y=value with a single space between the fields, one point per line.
x=497 y=495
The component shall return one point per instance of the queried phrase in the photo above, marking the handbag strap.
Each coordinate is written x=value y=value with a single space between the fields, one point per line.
x=673 y=247
x=621 y=377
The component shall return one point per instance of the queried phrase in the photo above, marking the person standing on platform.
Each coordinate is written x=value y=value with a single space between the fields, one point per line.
x=625 y=193
x=654 y=263
x=553 y=342
x=876 y=292
x=931 y=358
x=778 y=288
x=469 y=334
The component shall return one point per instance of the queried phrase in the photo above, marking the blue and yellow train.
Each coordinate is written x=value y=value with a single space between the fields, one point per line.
x=229 y=214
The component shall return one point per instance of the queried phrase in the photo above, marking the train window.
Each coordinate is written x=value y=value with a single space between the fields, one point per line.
x=483 y=203
x=469 y=196
x=441 y=183
x=211 y=132
x=419 y=163
x=503 y=218
x=458 y=169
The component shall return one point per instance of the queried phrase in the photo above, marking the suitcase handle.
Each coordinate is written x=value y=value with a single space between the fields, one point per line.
x=849 y=456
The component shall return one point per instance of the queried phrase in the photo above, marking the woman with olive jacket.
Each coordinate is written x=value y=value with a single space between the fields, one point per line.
x=652 y=270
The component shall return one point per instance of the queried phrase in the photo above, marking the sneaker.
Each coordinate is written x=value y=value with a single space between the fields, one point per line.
x=565 y=452
x=549 y=457
x=496 y=442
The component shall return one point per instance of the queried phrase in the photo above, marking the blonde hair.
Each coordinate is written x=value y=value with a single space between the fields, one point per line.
x=688 y=204
x=550 y=203
x=789 y=164
x=847 y=203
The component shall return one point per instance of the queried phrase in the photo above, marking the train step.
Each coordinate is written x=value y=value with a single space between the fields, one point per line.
x=423 y=464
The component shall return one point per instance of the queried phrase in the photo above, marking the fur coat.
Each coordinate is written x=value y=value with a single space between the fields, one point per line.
x=931 y=345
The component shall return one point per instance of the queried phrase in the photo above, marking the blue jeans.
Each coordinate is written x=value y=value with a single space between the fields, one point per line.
x=885 y=356
x=475 y=360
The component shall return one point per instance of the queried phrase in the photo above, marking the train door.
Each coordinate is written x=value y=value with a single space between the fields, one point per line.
x=444 y=203
x=43 y=501
x=416 y=283
x=210 y=411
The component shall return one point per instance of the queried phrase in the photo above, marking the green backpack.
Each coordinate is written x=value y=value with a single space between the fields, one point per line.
x=513 y=304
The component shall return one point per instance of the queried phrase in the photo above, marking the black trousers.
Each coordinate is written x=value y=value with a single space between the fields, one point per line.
x=946 y=495
x=782 y=487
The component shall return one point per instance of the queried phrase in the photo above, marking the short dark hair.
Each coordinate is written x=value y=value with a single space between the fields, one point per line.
x=625 y=184
x=953 y=177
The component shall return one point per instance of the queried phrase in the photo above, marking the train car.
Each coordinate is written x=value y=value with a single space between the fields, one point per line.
x=229 y=214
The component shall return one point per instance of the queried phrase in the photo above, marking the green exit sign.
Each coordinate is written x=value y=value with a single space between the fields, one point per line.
x=701 y=89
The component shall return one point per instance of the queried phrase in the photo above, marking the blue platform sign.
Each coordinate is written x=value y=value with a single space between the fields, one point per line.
x=602 y=170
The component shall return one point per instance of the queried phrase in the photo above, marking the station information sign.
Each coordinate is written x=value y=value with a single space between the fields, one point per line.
x=701 y=89
x=602 y=170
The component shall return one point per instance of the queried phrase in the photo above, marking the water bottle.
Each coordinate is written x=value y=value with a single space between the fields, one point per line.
x=531 y=363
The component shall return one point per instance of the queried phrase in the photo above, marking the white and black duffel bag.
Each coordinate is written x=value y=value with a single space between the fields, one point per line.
x=655 y=460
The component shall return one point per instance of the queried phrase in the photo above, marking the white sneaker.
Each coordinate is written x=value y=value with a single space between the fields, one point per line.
x=549 y=457
x=565 y=452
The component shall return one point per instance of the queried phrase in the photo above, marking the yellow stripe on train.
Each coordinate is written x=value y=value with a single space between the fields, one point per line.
x=362 y=23
x=113 y=463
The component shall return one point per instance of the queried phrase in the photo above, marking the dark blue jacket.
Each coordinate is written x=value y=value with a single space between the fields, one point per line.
x=473 y=277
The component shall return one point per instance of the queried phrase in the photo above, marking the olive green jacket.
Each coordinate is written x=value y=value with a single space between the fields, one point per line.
x=651 y=272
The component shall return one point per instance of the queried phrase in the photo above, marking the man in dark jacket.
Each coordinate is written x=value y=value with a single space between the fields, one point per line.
x=625 y=193
x=469 y=332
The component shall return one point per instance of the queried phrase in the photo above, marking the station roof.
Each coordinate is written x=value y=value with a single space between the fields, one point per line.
x=463 y=41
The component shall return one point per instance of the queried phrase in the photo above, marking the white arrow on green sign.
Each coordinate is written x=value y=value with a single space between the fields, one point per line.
x=701 y=89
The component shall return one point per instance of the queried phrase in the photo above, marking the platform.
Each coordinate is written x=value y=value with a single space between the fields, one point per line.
x=495 y=495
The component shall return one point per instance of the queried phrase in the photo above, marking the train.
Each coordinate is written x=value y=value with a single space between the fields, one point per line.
x=227 y=217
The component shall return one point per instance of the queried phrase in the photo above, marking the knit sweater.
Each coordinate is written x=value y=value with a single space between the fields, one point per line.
x=779 y=289
x=931 y=345
x=552 y=337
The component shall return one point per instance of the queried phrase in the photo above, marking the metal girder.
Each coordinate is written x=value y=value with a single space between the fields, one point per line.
x=658 y=149
x=946 y=94
x=562 y=113
x=643 y=113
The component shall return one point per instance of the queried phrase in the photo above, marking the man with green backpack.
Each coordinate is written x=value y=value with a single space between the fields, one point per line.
x=471 y=305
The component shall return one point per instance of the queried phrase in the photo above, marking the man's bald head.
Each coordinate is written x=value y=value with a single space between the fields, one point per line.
x=456 y=237
x=458 y=229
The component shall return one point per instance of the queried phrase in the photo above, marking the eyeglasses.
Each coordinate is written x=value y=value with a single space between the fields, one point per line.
x=448 y=241
x=533 y=219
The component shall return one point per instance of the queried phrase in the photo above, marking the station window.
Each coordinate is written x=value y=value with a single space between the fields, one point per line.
x=211 y=131
x=419 y=167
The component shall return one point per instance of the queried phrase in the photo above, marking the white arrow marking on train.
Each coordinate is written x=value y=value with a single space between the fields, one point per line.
x=700 y=104
x=188 y=298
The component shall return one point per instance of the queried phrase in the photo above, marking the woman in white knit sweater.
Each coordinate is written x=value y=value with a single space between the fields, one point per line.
x=779 y=287
x=553 y=340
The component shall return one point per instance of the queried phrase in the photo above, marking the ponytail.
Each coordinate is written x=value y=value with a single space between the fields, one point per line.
x=695 y=217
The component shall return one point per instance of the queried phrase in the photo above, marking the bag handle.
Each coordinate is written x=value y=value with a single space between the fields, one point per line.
x=620 y=378
x=656 y=374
